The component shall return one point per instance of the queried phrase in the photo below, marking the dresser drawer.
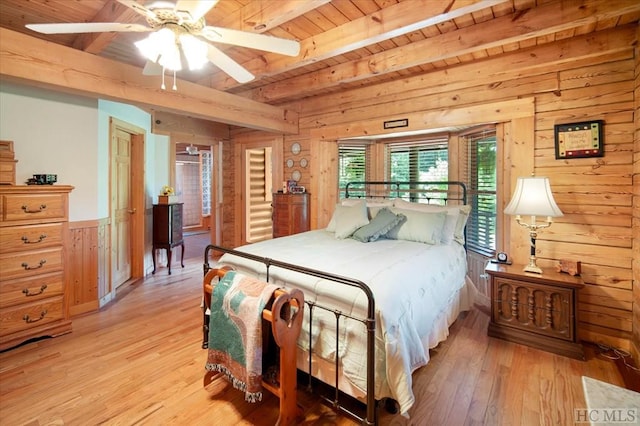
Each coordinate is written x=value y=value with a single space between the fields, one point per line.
x=34 y=208
x=30 y=237
x=28 y=264
x=30 y=289
x=26 y=316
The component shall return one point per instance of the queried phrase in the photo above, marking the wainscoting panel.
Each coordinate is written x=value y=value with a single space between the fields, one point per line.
x=87 y=265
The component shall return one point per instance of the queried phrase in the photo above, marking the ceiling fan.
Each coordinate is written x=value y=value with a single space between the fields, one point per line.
x=178 y=30
x=189 y=150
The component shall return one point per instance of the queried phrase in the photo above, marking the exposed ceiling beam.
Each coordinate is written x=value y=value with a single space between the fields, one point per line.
x=377 y=27
x=29 y=59
x=259 y=17
x=111 y=12
x=513 y=28
x=262 y=16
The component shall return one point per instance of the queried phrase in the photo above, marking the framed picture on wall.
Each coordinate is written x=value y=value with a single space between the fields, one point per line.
x=579 y=140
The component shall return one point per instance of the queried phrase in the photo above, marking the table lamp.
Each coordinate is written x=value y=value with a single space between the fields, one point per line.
x=533 y=197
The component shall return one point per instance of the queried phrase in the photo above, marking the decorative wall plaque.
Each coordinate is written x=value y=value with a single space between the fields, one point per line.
x=579 y=140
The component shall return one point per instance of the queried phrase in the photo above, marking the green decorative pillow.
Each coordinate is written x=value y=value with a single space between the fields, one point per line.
x=383 y=222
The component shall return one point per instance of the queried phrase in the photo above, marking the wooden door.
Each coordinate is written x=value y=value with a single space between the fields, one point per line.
x=121 y=207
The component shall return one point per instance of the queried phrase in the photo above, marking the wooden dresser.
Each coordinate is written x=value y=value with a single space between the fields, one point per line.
x=290 y=214
x=535 y=310
x=167 y=231
x=33 y=230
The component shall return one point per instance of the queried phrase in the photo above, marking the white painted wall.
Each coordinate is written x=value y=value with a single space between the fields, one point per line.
x=54 y=133
x=67 y=135
x=156 y=148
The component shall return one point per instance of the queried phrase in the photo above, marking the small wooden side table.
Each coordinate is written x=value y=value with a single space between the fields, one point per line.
x=167 y=231
x=537 y=310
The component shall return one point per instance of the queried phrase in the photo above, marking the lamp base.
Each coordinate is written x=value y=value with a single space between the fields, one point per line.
x=532 y=268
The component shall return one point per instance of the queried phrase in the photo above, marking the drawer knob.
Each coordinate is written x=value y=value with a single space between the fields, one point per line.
x=29 y=320
x=26 y=209
x=26 y=292
x=26 y=266
x=26 y=240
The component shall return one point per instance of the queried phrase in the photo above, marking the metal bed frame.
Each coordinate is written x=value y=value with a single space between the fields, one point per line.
x=414 y=191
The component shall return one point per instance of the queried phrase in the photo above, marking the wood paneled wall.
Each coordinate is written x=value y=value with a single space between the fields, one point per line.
x=88 y=265
x=571 y=80
x=636 y=207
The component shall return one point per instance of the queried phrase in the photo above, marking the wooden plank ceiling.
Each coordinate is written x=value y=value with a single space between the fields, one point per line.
x=344 y=43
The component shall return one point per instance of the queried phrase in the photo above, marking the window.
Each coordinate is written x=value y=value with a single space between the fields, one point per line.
x=352 y=165
x=481 y=177
x=424 y=161
x=206 y=159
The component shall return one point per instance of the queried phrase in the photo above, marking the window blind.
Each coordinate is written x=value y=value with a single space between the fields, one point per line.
x=481 y=179
x=422 y=160
x=352 y=164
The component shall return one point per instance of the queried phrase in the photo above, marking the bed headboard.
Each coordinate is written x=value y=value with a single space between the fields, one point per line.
x=444 y=193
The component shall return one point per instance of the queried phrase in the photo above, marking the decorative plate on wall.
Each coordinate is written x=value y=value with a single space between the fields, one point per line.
x=295 y=148
x=303 y=162
x=289 y=163
x=295 y=175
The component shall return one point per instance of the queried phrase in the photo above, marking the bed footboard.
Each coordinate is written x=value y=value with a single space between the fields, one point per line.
x=369 y=321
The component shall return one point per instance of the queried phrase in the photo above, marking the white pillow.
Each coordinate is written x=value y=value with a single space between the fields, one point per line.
x=455 y=221
x=423 y=227
x=351 y=201
x=347 y=219
x=373 y=204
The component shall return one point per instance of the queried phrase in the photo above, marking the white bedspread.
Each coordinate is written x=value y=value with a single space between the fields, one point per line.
x=419 y=290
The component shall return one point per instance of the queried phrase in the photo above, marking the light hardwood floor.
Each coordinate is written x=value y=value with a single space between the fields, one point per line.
x=139 y=361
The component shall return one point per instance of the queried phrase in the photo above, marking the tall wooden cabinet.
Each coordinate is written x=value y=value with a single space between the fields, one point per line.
x=33 y=285
x=167 y=231
x=290 y=214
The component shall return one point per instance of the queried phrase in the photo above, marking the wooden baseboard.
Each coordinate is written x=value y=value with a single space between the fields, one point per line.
x=84 y=308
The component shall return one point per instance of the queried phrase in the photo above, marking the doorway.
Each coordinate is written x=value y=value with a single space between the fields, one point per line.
x=126 y=202
x=193 y=177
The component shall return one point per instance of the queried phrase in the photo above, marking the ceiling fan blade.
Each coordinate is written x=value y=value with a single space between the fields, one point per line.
x=195 y=8
x=87 y=27
x=228 y=65
x=252 y=40
x=147 y=13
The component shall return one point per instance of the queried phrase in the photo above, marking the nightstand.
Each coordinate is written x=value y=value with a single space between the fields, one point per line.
x=535 y=310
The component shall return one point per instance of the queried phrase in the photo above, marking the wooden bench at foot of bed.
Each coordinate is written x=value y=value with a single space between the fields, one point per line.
x=284 y=312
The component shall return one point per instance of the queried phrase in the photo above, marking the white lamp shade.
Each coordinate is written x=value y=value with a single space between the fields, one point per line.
x=533 y=197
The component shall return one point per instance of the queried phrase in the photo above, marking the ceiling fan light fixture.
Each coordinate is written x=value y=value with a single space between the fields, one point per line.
x=170 y=58
x=149 y=47
x=192 y=150
x=194 y=50
x=161 y=47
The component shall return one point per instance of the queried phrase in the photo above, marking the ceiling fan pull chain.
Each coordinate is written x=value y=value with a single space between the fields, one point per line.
x=174 y=80
x=162 y=86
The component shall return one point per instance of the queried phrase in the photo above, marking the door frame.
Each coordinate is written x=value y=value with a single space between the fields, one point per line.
x=137 y=181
